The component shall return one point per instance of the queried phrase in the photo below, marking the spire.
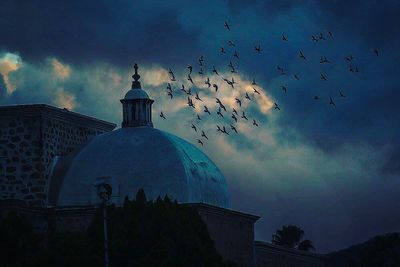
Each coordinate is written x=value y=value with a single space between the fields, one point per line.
x=135 y=83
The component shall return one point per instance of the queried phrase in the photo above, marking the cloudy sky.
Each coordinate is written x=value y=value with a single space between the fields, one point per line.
x=334 y=171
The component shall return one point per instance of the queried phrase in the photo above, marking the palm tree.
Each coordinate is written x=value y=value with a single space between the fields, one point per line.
x=291 y=236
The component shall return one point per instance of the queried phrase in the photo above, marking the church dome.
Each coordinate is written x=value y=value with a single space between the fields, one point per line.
x=138 y=157
x=136 y=94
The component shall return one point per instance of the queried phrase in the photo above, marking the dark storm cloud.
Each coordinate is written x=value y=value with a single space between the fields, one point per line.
x=88 y=31
x=323 y=156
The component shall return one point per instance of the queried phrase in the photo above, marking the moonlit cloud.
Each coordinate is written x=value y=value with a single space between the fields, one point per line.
x=60 y=70
x=9 y=63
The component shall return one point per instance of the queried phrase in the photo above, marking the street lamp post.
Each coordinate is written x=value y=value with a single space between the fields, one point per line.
x=104 y=191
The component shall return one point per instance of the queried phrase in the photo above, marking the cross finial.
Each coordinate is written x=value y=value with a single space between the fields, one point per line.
x=136 y=77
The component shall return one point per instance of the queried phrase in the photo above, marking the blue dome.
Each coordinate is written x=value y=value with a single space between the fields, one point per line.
x=136 y=93
x=133 y=158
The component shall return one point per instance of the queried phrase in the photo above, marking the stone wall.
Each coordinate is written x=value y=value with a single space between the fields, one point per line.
x=268 y=255
x=31 y=136
x=232 y=232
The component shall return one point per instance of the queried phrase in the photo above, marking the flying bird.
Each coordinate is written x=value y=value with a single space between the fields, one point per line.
x=256 y=91
x=234 y=117
x=296 y=77
x=238 y=101
x=258 y=48
x=206 y=110
x=216 y=87
x=230 y=43
x=323 y=77
x=197 y=97
x=276 y=106
x=201 y=71
x=313 y=38
x=220 y=113
x=234 y=128
x=284 y=38
x=194 y=127
x=169 y=88
x=215 y=71
x=190 y=69
x=207 y=82
x=198 y=117
x=284 y=88
x=172 y=76
x=224 y=130
x=376 y=52
x=349 y=58
x=222 y=50
x=162 y=115
x=330 y=34
x=316 y=97
x=190 y=78
x=341 y=94
x=200 y=142
x=234 y=111
x=253 y=82
x=301 y=55
x=236 y=55
x=247 y=96
x=220 y=104
x=244 y=116
x=170 y=95
x=203 y=134
x=255 y=123
x=226 y=25
x=331 y=102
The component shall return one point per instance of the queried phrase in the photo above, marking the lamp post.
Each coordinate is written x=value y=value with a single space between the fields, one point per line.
x=104 y=191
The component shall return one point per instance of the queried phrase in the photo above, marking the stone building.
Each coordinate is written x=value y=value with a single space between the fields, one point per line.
x=52 y=159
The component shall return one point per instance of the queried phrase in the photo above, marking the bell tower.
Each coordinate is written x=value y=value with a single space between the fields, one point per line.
x=136 y=105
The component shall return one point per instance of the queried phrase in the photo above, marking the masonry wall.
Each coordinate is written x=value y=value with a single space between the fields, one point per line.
x=232 y=232
x=31 y=136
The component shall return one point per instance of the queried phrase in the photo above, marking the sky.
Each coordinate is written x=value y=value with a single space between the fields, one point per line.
x=332 y=170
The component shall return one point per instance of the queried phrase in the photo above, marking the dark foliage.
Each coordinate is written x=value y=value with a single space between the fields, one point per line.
x=142 y=233
x=291 y=236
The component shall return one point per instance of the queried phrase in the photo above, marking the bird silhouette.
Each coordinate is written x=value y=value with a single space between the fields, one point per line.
x=301 y=55
x=341 y=94
x=313 y=38
x=190 y=103
x=321 y=36
x=258 y=48
x=324 y=60
x=200 y=142
x=170 y=95
x=234 y=111
x=226 y=25
x=218 y=101
x=207 y=82
x=198 y=117
x=236 y=55
x=331 y=102
x=376 y=52
x=330 y=34
x=238 y=101
x=206 y=110
x=197 y=97
x=234 y=117
x=323 y=77
x=255 y=91
x=162 y=115
x=349 y=58
x=201 y=71
x=189 y=91
x=244 y=116
x=219 y=129
x=224 y=130
x=253 y=82
x=222 y=50
x=220 y=113
x=172 y=76
x=281 y=70
x=183 y=88
x=215 y=71
x=255 y=123
x=247 y=96
x=190 y=69
x=169 y=88
x=230 y=43
x=216 y=87
x=194 y=127
x=296 y=77
x=284 y=38
x=233 y=128
x=190 y=79
x=316 y=97
x=203 y=134
x=276 y=106
x=284 y=88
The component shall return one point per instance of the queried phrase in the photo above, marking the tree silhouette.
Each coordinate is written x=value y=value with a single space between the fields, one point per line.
x=291 y=236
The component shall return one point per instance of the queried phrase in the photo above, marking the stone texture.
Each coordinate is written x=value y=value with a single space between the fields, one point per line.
x=31 y=136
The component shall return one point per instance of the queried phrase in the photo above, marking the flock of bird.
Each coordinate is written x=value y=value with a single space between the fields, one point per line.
x=193 y=98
